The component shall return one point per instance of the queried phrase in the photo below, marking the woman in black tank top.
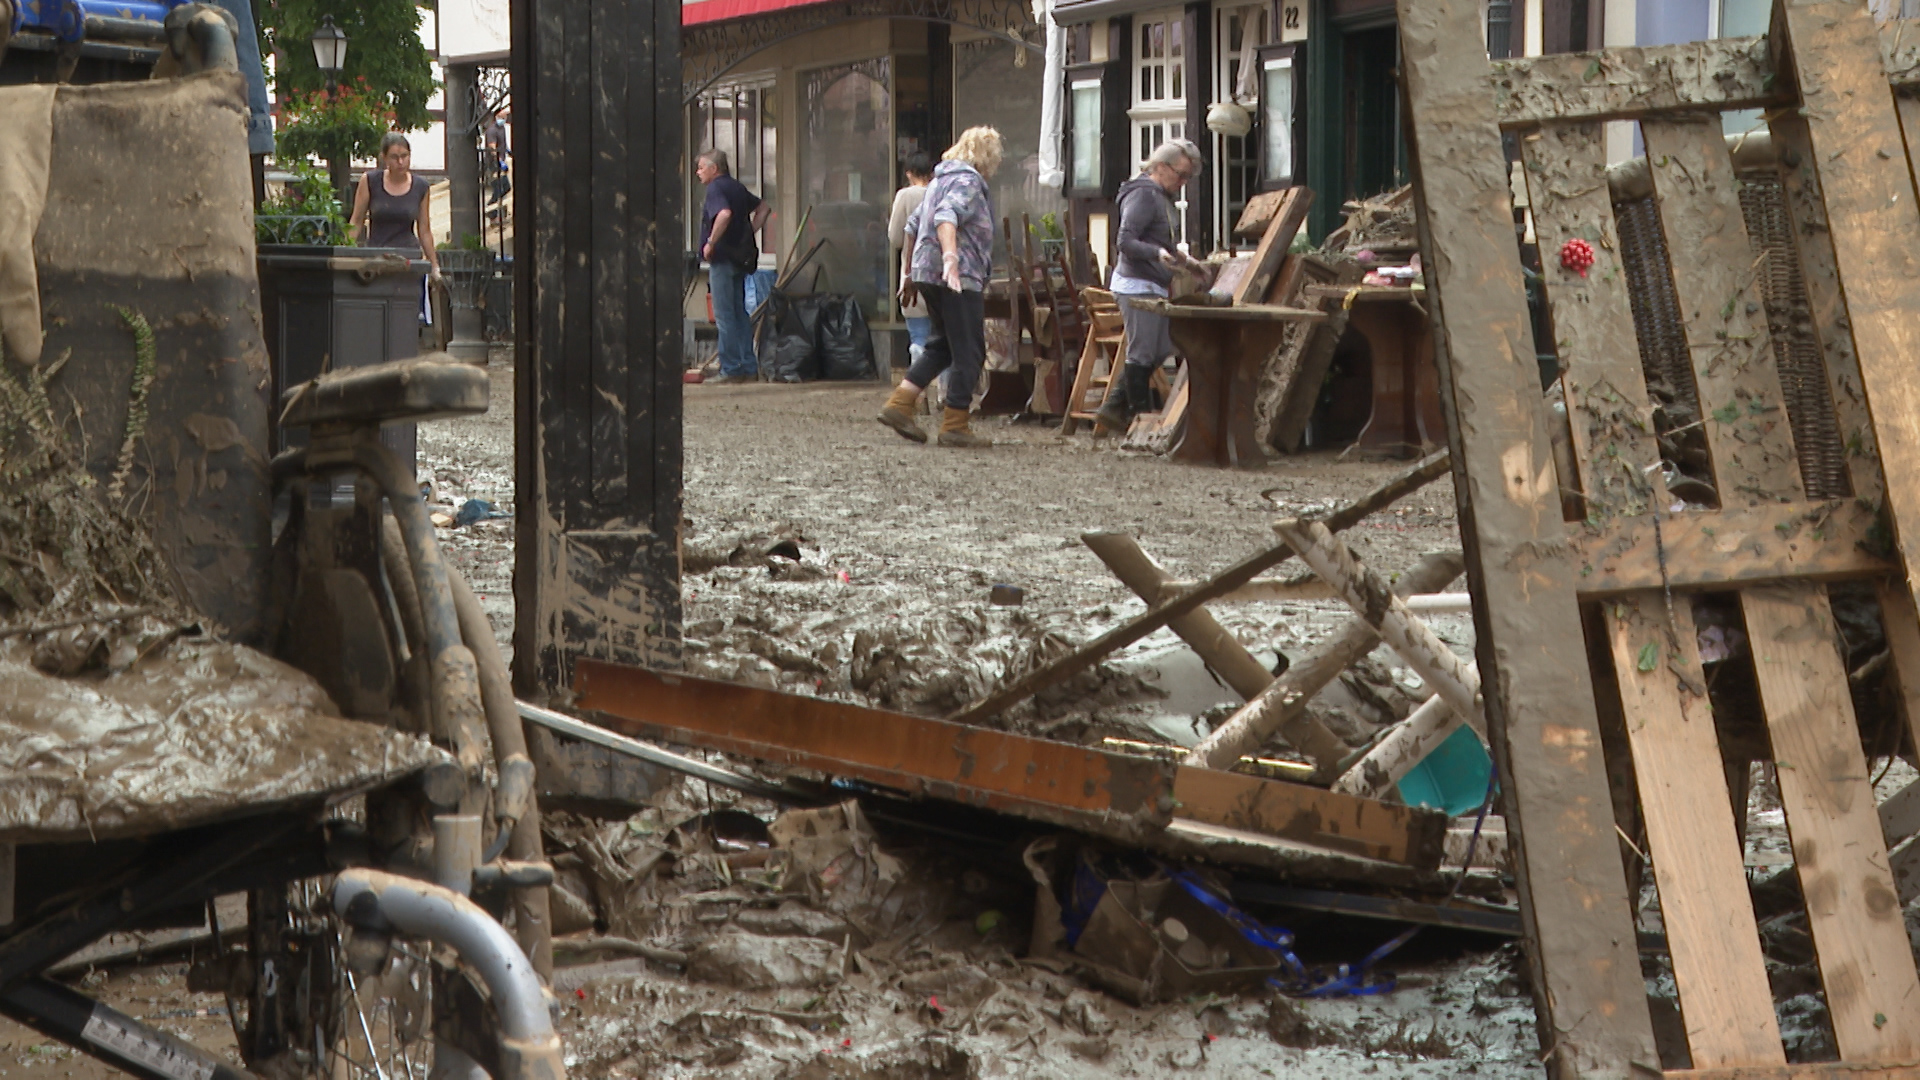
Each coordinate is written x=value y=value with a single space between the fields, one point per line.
x=390 y=205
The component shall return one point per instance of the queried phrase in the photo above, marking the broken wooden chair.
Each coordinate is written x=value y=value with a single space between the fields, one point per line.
x=1740 y=503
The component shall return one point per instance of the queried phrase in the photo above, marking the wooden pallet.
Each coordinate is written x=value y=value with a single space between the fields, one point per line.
x=1851 y=198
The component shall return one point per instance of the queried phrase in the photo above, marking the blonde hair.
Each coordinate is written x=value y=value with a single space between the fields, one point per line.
x=979 y=147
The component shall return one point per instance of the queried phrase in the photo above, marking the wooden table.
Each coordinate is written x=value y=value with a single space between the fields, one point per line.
x=1406 y=418
x=1224 y=348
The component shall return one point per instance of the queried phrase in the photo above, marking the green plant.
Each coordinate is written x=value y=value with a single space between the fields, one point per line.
x=469 y=242
x=340 y=126
x=385 y=57
x=306 y=212
x=1050 y=226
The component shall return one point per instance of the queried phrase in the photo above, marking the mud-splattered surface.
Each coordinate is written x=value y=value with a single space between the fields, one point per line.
x=899 y=545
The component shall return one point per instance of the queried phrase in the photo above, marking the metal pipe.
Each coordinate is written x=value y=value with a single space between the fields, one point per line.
x=620 y=744
x=109 y=1034
x=532 y=917
x=111 y=28
x=529 y=1048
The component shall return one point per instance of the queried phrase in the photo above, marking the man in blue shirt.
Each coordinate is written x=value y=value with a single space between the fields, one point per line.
x=729 y=221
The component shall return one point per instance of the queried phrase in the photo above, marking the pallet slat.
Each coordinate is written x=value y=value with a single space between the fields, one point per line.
x=1695 y=549
x=1539 y=696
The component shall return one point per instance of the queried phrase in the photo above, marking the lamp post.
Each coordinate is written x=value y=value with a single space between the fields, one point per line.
x=329 y=51
x=330 y=55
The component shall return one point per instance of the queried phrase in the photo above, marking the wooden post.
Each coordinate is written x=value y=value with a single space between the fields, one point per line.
x=1136 y=569
x=597 y=204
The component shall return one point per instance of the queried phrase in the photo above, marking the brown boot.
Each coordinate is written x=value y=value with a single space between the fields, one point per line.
x=898 y=412
x=954 y=430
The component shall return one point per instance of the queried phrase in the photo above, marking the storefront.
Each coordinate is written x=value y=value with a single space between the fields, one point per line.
x=818 y=113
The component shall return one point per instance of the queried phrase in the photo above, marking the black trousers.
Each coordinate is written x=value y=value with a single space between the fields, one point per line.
x=958 y=341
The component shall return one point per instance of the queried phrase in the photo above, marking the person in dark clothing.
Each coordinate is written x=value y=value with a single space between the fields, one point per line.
x=729 y=221
x=390 y=210
x=1144 y=269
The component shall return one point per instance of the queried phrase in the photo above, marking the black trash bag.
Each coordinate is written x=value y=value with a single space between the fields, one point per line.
x=846 y=348
x=788 y=348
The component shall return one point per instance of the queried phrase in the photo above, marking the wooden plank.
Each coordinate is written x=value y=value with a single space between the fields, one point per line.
x=1589 y=996
x=1853 y=909
x=1694 y=549
x=1728 y=73
x=1718 y=968
x=1406 y=483
x=1875 y=228
x=1405 y=745
x=1833 y=1070
x=1866 y=963
x=1259 y=213
x=1628 y=83
x=1224 y=656
x=1282 y=707
x=1274 y=244
x=1359 y=826
x=1819 y=269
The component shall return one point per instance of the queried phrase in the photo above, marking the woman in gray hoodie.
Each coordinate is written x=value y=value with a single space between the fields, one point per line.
x=1144 y=268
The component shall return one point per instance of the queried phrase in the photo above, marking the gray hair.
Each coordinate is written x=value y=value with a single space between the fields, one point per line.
x=1170 y=152
x=715 y=157
x=392 y=139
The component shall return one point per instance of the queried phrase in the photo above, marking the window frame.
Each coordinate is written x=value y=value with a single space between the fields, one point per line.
x=1292 y=53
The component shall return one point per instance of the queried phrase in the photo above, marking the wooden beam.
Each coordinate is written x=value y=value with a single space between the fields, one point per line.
x=1718 y=967
x=1900 y=814
x=1282 y=707
x=1860 y=307
x=1273 y=245
x=1373 y=599
x=1389 y=832
x=1832 y=1070
x=1419 y=476
x=1698 y=549
x=1225 y=656
x=1589 y=996
x=1404 y=746
x=1629 y=83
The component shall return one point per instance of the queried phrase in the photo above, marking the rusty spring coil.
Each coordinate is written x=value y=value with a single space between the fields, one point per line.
x=1661 y=330
x=1803 y=372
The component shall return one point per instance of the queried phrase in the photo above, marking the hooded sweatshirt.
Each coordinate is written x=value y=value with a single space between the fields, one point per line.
x=1146 y=230
x=959 y=197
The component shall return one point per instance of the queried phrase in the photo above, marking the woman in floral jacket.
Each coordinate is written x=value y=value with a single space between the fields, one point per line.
x=951 y=237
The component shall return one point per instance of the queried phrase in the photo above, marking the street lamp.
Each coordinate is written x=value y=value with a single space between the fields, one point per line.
x=329 y=50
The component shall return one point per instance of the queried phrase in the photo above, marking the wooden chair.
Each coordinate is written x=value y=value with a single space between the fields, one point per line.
x=1104 y=350
x=1684 y=312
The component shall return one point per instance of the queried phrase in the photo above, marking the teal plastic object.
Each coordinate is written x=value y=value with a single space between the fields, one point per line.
x=1453 y=777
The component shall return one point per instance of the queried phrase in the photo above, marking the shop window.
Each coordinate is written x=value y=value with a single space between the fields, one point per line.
x=1280 y=85
x=1086 y=99
x=846 y=177
x=738 y=118
x=1000 y=84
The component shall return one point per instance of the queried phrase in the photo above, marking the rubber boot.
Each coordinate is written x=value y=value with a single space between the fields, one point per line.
x=1115 y=412
x=955 y=432
x=1139 y=389
x=898 y=412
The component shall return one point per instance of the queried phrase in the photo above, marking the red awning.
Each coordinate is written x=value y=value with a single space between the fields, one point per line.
x=694 y=12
